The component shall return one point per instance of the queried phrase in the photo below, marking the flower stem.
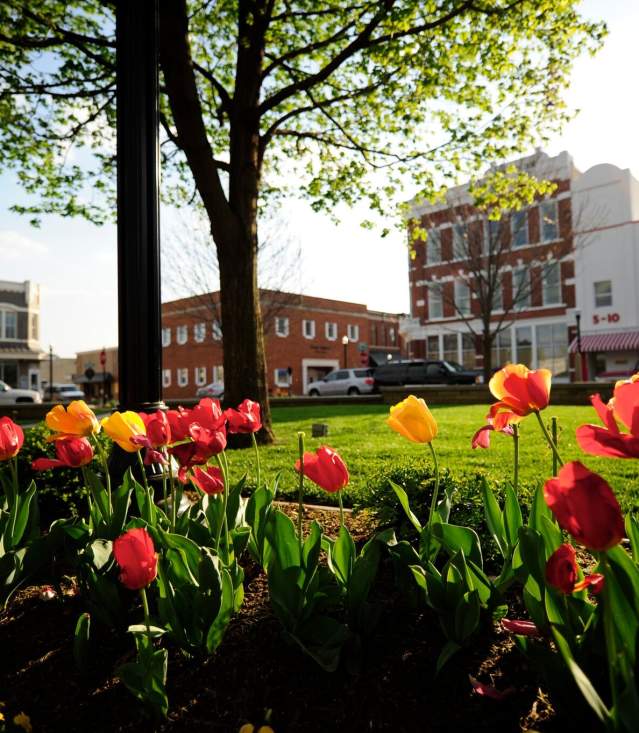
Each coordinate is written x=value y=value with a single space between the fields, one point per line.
x=145 y=606
x=107 y=476
x=549 y=440
x=173 y=496
x=224 y=466
x=13 y=467
x=554 y=433
x=516 y=458
x=300 y=509
x=257 y=461
x=433 y=503
x=164 y=482
x=341 y=508
x=147 y=488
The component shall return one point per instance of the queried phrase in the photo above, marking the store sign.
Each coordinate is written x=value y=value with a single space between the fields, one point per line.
x=606 y=318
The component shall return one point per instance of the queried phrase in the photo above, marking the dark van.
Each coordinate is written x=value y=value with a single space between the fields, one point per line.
x=419 y=371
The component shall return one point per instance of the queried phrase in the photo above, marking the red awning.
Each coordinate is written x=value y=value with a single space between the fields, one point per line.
x=620 y=341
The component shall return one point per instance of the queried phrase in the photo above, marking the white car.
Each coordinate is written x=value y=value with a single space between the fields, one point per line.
x=215 y=389
x=11 y=396
x=343 y=381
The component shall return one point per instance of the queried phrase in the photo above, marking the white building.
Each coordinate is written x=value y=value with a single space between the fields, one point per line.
x=607 y=271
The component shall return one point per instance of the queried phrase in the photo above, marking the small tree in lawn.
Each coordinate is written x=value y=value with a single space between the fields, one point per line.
x=265 y=97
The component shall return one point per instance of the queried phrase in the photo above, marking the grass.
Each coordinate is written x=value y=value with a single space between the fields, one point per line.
x=360 y=434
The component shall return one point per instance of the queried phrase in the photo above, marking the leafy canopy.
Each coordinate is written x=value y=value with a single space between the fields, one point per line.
x=355 y=98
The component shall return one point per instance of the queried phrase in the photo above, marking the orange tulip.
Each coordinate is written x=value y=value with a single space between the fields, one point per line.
x=412 y=419
x=520 y=391
x=77 y=420
x=122 y=426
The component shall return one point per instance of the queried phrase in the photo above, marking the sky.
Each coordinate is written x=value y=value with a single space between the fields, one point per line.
x=75 y=262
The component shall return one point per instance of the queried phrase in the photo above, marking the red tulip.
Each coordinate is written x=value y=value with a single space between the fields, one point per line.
x=484 y=690
x=325 y=468
x=610 y=441
x=481 y=439
x=70 y=452
x=179 y=422
x=520 y=391
x=135 y=554
x=246 y=419
x=11 y=438
x=158 y=428
x=520 y=627
x=208 y=442
x=208 y=414
x=585 y=506
x=209 y=479
x=561 y=568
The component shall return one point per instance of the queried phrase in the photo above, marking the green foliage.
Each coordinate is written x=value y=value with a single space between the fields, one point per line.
x=344 y=89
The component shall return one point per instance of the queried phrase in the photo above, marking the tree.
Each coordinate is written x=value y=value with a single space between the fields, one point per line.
x=491 y=279
x=257 y=93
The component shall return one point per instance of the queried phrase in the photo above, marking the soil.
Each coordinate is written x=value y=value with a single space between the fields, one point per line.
x=255 y=676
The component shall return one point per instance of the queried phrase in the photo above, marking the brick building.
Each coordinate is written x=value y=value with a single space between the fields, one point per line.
x=104 y=379
x=535 y=293
x=303 y=340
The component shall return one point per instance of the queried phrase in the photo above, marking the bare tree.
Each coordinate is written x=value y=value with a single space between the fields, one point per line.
x=190 y=268
x=496 y=266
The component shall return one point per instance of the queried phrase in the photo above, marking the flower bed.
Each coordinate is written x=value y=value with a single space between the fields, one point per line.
x=160 y=582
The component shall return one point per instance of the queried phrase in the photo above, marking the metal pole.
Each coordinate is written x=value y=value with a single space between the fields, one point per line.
x=50 y=374
x=139 y=309
x=582 y=366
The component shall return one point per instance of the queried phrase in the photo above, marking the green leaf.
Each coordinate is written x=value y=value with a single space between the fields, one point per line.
x=454 y=538
x=81 y=647
x=143 y=630
x=494 y=519
x=282 y=537
x=100 y=553
x=403 y=500
x=449 y=649
x=467 y=615
x=632 y=530
x=343 y=556
x=583 y=683
x=512 y=516
x=19 y=517
x=99 y=494
x=218 y=628
x=147 y=680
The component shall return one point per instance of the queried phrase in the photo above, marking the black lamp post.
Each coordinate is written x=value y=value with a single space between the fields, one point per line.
x=345 y=345
x=582 y=370
x=139 y=309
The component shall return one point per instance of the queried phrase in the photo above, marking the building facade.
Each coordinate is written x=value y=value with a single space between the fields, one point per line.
x=569 y=260
x=96 y=380
x=20 y=352
x=304 y=340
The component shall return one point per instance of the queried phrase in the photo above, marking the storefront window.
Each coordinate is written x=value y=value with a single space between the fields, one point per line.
x=432 y=347
x=523 y=336
x=450 y=347
x=552 y=347
x=502 y=349
x=468 y=351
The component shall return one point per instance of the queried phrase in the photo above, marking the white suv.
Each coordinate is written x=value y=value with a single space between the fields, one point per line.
x=10 y=396
x=343 y=381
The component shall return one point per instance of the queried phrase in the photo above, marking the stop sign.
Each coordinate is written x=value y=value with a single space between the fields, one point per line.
x=102 y=357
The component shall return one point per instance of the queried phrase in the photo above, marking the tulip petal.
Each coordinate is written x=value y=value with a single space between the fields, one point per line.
x=599 y=441
x=489 y=691
x=481 y=439
x=605 y=412
x=626 y=405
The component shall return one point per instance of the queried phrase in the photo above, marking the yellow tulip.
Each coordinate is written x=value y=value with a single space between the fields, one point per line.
x=412 y=419
x=122 y=426
x=77 y=420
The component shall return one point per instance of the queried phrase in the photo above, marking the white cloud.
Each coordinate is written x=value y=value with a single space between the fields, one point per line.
x=14 y=245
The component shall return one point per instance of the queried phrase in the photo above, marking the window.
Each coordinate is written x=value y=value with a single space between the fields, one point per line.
x=391 y=335
x=519 y=228
x=281 y=326
x=433 y=247
x=166 y=377
x=200 y=376
x=498 y=296
x=283 y=377
x=468 y=359
x=501 y=351
x=552 y=347
x=342 y=374
x=521 y=287
x=449 y=342
x=182 y=377
x=352 y=332
x=603 y=293
x=217 y=331
x=218 y=374
x=524 y=345
x=10 y=330
x=308 y=329
x=432 y=347
x=373 y=334
x=199 y=332
x=435 y=301
x=460 y=241
x=462 y=297
x=166 y=337
x=331 y=331
x=181 y=334
x=551 y=285
x=494 y=234
x=549 y=223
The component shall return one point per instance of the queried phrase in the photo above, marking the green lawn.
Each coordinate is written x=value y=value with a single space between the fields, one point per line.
x=360 y=434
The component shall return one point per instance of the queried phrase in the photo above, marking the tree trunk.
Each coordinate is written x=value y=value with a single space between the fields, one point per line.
x=486 y=346
x=233 y=220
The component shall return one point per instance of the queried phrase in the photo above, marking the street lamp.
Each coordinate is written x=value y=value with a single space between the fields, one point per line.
x=345 y=345
x=582 y=370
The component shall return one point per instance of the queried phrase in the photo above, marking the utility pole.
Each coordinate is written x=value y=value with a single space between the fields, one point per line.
x=50 y=373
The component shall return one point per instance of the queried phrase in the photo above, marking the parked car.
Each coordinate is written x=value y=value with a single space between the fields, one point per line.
x=215 y=389
x=418 y=371
x=11 y=396
x=63 y=393
x=343 y=381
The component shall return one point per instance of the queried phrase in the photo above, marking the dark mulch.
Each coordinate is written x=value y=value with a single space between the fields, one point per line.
x=254 y=672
